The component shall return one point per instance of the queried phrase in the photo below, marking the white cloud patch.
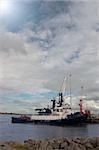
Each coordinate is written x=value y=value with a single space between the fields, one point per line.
x=37 y=60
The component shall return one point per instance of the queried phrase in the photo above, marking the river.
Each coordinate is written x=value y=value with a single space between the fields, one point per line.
x=21 y=132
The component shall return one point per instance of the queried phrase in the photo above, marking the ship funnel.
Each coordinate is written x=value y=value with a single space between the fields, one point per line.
x=60 y=99
x=53 y=104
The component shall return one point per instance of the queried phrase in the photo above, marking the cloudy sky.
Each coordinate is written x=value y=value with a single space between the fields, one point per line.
x=42 y=41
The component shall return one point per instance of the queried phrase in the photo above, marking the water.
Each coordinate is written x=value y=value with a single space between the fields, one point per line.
x=21 y=132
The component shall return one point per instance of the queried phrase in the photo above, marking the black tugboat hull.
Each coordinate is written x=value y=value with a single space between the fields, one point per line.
x=71 y=120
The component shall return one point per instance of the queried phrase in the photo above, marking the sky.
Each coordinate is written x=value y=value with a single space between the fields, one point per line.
x=41 y=42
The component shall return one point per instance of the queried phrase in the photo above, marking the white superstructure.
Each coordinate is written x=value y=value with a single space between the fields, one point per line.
x=57 y=113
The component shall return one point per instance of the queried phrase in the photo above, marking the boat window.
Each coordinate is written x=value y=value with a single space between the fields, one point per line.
x=61 y=110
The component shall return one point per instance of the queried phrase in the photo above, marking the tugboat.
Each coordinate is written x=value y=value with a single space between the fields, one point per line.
x=60 y=114
x=53 y=115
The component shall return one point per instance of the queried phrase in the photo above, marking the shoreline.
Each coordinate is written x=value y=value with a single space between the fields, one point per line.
x=83 y=143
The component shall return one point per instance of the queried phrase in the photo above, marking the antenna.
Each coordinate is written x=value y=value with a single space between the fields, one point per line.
x=86 y=103
x=82 y=92
x=70 y=92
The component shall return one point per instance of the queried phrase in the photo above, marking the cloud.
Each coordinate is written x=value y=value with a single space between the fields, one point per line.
x=38 y=57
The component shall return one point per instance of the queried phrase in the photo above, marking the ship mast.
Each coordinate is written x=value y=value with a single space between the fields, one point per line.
x=81 y=106
x=63 y=87
x=81 y=101
x=62 y=91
